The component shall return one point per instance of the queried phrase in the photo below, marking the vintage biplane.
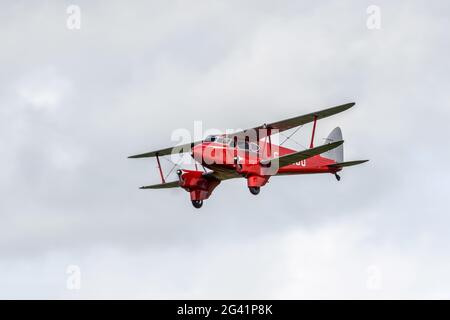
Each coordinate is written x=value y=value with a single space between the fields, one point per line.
x=250 y=154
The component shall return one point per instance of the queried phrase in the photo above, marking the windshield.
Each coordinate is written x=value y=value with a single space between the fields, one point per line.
x=218 y=139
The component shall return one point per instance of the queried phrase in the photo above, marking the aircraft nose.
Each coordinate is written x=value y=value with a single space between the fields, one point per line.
x=197 y=153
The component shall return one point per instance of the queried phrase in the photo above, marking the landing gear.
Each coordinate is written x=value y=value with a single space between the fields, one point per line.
x=338 y=177
x=197 y=203
x=254 y=190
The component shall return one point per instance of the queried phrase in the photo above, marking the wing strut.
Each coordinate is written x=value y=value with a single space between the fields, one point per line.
x=313 y=132
x=270 y=142
x=160 y=169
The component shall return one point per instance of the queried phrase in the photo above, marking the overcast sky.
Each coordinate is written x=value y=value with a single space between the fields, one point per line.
x=74 y=103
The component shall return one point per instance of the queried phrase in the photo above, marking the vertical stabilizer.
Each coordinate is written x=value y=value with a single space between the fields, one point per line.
x=336 y=154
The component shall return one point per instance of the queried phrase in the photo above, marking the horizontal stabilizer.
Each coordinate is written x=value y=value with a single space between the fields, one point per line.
x=305 y=154
x=173 y=184
x=346 y=164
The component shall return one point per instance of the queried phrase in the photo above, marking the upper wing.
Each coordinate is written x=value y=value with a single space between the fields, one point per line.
x=296 y=121
x=172 y=150
x=305 y=154
x=279 y=125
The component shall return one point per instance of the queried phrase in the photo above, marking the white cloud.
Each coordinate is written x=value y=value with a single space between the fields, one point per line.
x=43 y=88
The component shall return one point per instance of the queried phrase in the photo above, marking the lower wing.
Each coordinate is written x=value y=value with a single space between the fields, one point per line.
x=218 y=175
x=166 y=185
x=302 y=155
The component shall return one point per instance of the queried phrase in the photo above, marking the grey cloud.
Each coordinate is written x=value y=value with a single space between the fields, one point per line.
x=75 y=104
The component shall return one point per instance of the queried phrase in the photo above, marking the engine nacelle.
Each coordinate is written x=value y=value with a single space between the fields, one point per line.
x=257 y=181
x=194 y=182
x=254 y=174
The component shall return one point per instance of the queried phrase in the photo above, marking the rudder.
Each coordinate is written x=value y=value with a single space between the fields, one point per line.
x=336 y=154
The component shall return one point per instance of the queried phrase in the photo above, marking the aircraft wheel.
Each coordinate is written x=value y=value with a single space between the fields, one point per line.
x=338 y=177
x=197 y=203
x=254 y=190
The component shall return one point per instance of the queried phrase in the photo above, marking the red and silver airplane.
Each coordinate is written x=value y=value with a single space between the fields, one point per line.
x=250 y=154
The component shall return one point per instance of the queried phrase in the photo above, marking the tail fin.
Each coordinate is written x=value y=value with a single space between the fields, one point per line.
x=336 y=154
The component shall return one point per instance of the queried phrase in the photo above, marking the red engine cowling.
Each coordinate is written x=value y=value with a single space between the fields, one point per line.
x=254 y=174
x=257 y=181
x=199 y=187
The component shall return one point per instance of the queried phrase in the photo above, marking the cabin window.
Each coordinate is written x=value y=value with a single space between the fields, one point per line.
x=254 y=147
x=227 y=140
x=219 y=140
x=243 y=145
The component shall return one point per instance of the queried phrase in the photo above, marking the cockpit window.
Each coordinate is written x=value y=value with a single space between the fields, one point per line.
x=210 y=139
x=218 y=139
